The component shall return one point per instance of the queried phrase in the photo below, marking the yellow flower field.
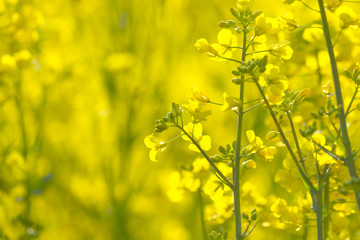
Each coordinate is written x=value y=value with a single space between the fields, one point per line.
x=123 y=119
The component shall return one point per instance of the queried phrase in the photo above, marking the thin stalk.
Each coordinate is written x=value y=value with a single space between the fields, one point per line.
x=317 y=196
x=337 y=38
x=219 y=174
x=326 y=205
x=251 y=108
x=268 y=50
x=351 y=101
x=288 y=114
x=286 y=142
x=237 y=206
x=230 y=59
x=319 y=214
x=349 y=162
x=311 y=8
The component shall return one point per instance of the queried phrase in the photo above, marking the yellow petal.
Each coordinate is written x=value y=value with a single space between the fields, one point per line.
x=250 y=135
x=149 y=142
x=205 y=143
x=319 y=139
x=154 y=155
x=224 y=36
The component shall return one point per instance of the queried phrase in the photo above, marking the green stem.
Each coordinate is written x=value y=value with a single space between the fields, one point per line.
x=337 y=38
x=251 y=108
x=319 y=214
x=311 y=8
x=318 y=202
x=215 y=103
x=351 y=101
x=349 y=162
x=258 y=52
x=230 y=59
x=219 y=174
x=326 y=205
x=286 y=142
x=288 y=114
x=236 y=180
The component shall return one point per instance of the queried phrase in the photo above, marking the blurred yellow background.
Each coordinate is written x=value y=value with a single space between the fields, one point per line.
x=73 y=120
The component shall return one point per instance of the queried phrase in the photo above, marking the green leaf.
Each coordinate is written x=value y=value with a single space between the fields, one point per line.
x=222 y=150
x=348 y=74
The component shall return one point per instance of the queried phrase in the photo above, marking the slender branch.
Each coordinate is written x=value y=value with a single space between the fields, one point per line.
x=328 y=152
x=251 y=108
x=318 y=204
x=215 y=103
x=311 y=8
x=344 y=133
x=288 y=114
x=286 y=142
x=326 y=205
x=268 y=50
x=216 y=169
x=230 y=59
x=337 y=38
x=237 y=206
x=235 y=47
x=347 y=112
x=250 y=42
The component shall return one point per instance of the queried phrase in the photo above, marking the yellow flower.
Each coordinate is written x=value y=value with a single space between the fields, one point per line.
x=196 y=95
x=230 y=103
x=249 y=164
x=255 y=143
x=275 y=84
x=267 y=153
x=287 y=22
x=156 y=146
x=279 y=207
x=322 y=157
x=303 y=94
x=282 y=50
x=195 y=131
x=200 y=164
x=332 y=5
x=203 y=46
x=347 y=17
x=262 y=25
x=214 y=189
x=226 y=40
x=328 y=89
x=243 y=4
x=195 y=110
x=319 y=139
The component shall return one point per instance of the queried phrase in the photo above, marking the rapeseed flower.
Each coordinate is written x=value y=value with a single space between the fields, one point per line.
x=156 y=145
x=195 y=131
x=282 y=50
